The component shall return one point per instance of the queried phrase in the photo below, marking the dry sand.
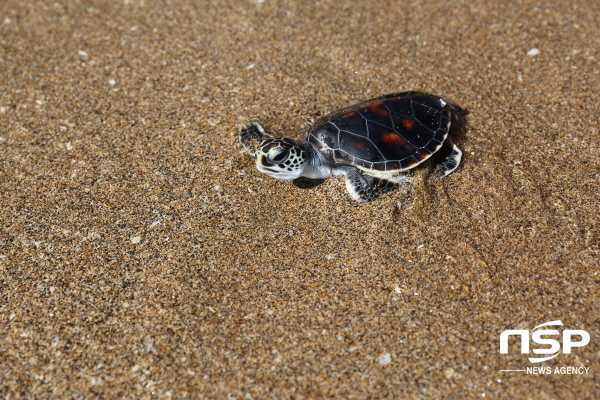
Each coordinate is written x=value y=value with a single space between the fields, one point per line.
x=143 y=256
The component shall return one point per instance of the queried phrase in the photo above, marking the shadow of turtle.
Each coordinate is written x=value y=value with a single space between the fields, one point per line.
x=305 y=183
x=458 y=132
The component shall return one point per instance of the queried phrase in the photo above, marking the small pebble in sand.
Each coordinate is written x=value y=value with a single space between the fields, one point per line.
x=82 y=53
x=152 y=225
x=533 y=52
x=385 y=359
x=112 y=82
x=69 y=146
x=2 y=110
x=135 y=239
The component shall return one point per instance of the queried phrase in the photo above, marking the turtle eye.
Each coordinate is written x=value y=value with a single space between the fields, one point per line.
x=277 y=155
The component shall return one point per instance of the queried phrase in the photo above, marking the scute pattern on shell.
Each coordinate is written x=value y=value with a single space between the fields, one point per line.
x=390 y=133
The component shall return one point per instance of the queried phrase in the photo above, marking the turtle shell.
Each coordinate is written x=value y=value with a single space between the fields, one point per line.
x=390 y=133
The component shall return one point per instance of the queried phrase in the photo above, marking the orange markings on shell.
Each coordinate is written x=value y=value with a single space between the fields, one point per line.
x=423 y=156
x=409 y=124
x=378 y=108
x=393 y=138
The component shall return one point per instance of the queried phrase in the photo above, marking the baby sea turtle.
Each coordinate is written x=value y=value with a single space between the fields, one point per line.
x=371 y=143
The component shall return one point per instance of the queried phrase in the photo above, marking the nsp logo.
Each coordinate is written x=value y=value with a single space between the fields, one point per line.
x=536 y=336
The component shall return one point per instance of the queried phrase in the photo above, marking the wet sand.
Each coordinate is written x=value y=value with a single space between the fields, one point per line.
x=142 y=255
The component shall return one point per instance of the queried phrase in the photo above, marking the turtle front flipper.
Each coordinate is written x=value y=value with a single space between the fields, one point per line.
x=365 y=188
x=252 y=136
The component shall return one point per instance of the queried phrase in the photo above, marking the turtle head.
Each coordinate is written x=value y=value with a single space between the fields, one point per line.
x=281 y=158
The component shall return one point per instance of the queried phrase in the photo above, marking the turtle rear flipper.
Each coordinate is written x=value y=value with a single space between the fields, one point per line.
x=252 y=136
x=449 y=156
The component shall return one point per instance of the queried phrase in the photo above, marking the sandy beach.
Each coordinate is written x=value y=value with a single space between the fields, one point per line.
x=142 y=255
